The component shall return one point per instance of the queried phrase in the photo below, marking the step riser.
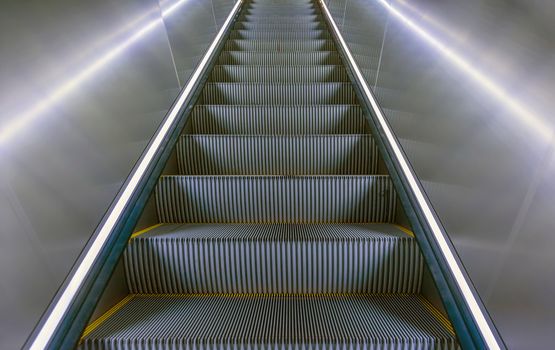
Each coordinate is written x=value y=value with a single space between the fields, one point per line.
x=282 y=27
x=275 y=45
x=279 y=58
x=279 y=74
x=272 y=155
x=273 y=35
x=265 y=11
x=277 y=120
x=269 y=199
x=275 y=94
x=280 y=19
x=260 y=266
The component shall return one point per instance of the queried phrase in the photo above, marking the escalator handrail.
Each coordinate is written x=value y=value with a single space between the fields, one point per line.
x=68 y=313
x=472 y=323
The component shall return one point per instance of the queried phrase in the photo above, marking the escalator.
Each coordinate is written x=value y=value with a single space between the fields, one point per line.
x=280 y=229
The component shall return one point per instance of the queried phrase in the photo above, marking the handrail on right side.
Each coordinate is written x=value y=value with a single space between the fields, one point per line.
x=474 y=326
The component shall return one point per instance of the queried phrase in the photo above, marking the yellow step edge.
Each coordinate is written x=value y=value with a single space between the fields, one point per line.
x=405 y=230
x=138 y=233
x=92 y=326
x=438 y=315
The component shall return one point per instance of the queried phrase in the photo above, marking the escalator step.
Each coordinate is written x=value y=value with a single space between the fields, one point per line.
x=275 y=45
x=275 y=58
x=278 y=93
x=269 y=35
x=277 y=120
x=277 y=155
x=282 y=27
x=250 y=322
x=279 y=74
x=275 y=199
x=271 y=10
x=282 y=258
x=274 y=18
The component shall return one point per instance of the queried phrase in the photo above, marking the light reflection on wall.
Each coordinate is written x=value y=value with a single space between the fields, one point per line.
x=136 y=31
x=518 y=109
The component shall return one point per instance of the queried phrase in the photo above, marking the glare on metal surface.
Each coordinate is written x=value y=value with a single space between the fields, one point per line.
x=524 y=113
x=57 y=94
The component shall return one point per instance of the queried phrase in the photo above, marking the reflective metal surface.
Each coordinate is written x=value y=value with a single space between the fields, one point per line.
x=83 y=87
x=466 y=87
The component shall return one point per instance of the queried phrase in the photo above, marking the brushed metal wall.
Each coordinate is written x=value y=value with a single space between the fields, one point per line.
x=83 y=86
x=467 y=87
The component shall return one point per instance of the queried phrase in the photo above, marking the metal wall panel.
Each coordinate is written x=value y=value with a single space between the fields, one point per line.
x=466 y=87
x=83 y=86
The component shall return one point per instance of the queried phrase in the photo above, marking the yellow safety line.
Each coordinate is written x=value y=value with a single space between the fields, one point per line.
x=405 y=230
x=91 y=327
x=136 y=234
x=438 y=315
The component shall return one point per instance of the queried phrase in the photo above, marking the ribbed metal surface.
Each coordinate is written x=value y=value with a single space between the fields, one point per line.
x=277 y=120
x=277 y=155
x=291 y=74
x=279 y=93
x=275 y=199
x=274 y=18
x=275 y=45
x=282 y=27
x=280 y=10
x=375 y=322
x=270 y=34
x=277 y=58
x=286 y=258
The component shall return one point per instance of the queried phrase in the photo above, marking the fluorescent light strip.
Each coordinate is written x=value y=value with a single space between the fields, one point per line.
x=456 y=270
x=55 y=317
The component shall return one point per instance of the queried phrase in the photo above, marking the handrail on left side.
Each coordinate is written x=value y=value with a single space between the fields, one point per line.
x=67 y=315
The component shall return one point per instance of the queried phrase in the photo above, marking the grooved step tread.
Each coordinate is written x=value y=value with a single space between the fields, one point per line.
x=279 y=93
x=274 y=258
x=273 y=322
x=275 y=199
x=277 y=155
x=277 y=120
x=275 y=45
x=279 y=73
x=288 y=58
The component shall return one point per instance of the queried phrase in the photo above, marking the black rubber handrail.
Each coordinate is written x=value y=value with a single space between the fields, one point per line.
x=471 y=321
x=61 y=325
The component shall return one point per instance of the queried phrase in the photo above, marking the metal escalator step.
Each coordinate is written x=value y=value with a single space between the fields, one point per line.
x=277 y=155
x=279 y=58
x=290 y=6
x=277 y=120
x=251 y=322
x=272 y=10
x=282 y=27
x=279 y=74
x=269 y=35
x=281 y=8
x=282 y=258
x=275 y=199
x=281 y=2
x=275 y=45
x=278 y=93
x=272 y=18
